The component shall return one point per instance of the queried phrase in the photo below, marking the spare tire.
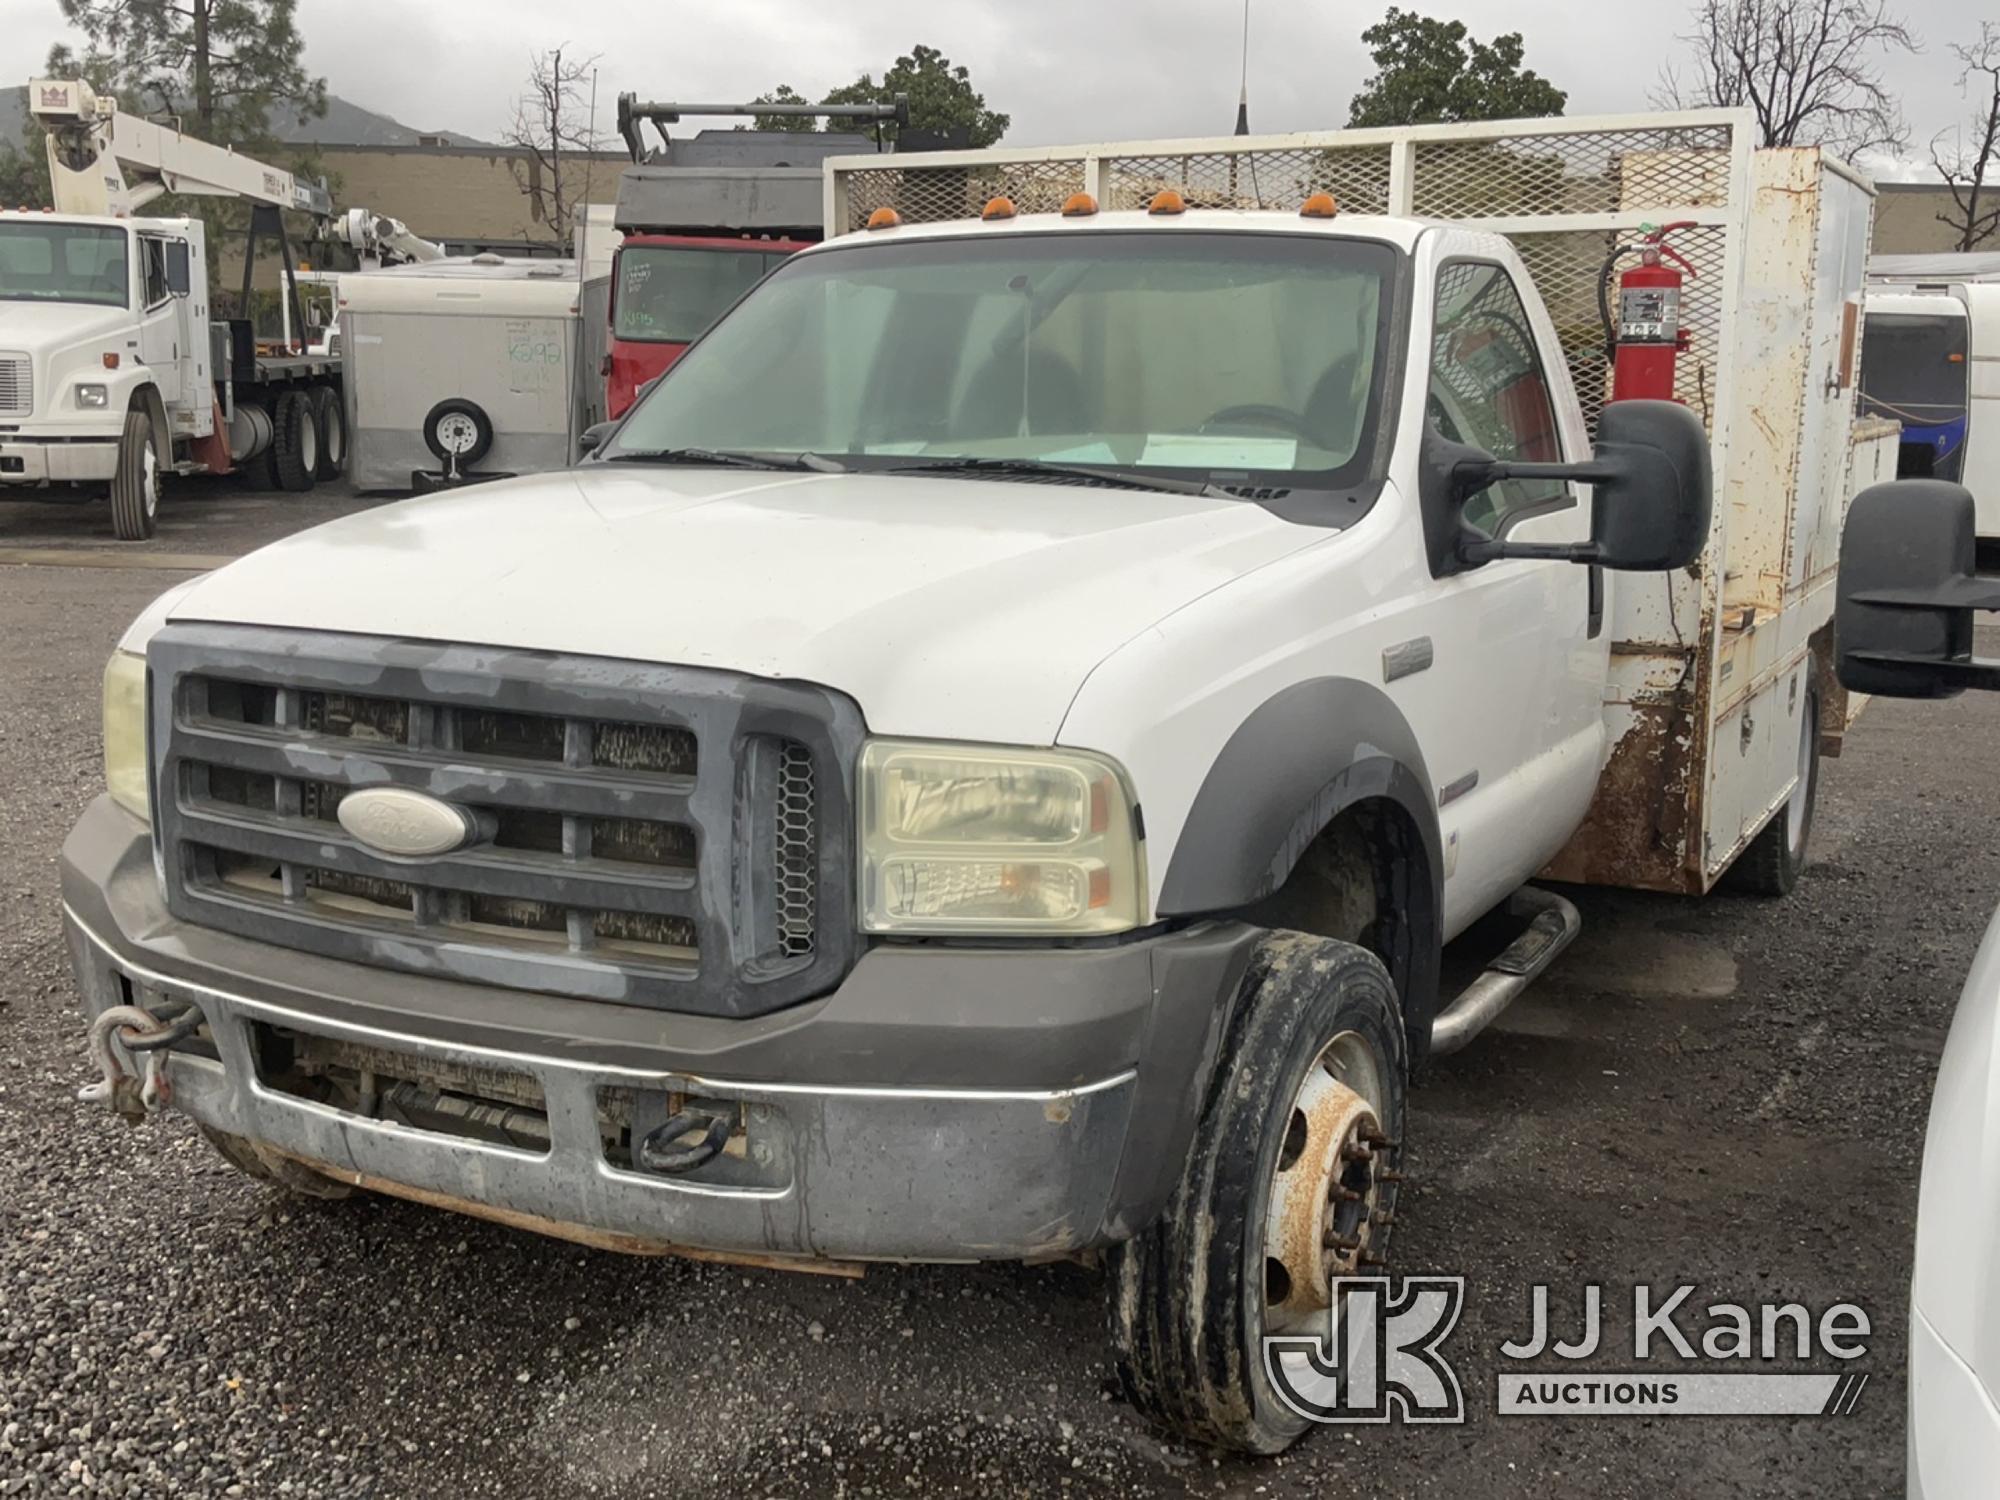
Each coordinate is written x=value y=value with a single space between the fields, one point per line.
x=458 y=429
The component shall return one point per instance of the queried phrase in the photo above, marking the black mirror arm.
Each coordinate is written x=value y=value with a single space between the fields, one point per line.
x=1978 y=673
x=1474 y=475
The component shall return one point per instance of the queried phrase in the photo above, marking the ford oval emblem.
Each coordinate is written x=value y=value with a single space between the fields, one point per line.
x=410 y=825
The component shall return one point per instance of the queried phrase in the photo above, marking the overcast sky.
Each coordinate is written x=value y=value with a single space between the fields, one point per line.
x=1066 y=70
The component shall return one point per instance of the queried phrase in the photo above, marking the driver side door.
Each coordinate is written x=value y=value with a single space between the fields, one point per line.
x=162 y=335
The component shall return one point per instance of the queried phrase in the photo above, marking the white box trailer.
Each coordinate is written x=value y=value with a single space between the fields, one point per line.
x=1702 y=660
x=476 y=363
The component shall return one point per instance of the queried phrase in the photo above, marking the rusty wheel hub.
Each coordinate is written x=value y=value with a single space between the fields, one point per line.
x=1327 y=1215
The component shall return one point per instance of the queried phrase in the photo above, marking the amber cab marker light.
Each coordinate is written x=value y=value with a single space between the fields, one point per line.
x=110 y=359
x=1319 y=206
x=998 y=208
x=884 y=218
x=1079 y=206
x=1167 y=201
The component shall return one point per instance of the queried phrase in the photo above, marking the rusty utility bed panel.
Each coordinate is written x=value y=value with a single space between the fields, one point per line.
x=1709 y=666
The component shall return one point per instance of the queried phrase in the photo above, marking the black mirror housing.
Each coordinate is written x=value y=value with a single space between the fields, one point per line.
x=1907 y=589
x=1651 y=506
x=1655 y=494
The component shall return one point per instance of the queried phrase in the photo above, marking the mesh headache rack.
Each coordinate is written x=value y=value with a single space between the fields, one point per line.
x=648 y=835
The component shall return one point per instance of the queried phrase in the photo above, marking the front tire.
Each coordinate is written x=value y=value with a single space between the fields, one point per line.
x=135 y=487
x=1771 y=866
x=1287 y=1185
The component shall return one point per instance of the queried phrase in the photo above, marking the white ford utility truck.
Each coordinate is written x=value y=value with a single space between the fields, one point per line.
x=112 y=375
x=984 y=760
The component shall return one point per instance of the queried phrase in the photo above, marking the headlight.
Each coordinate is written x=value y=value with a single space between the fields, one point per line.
x=976 y=839
x=125 y=732
x=92 y=395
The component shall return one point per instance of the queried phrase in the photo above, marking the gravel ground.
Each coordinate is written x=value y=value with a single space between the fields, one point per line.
x=1729 y=1092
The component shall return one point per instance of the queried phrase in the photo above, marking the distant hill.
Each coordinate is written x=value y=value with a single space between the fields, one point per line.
x=343 y=124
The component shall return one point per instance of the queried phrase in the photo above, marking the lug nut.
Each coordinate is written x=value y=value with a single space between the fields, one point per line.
x=1389 y=1177
x=1356 y=1152
x=1373 y=1260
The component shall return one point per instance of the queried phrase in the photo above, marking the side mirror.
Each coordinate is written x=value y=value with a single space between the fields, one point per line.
x=1907 y=590
x=178 y=281
x=1654 y=493
x=592 y=438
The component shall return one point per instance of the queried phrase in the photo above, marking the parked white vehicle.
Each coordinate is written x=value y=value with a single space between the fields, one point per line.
x=1931 y=361
x=1908 y=591
x=984 y=761
x=111 y=374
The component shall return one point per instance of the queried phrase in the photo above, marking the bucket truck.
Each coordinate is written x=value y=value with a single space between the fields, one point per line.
x=112 y=375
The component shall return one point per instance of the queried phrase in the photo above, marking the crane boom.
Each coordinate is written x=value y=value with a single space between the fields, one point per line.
x=103 y=161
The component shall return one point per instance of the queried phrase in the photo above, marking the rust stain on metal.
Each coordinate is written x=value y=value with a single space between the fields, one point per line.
x=579 y=1234
x=1644 y=824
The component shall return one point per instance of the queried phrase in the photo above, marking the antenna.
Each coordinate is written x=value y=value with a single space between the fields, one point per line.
x=1243 y=92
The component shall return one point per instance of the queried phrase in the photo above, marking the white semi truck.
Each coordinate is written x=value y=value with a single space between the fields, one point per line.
x=986 y=758
x=112 y=375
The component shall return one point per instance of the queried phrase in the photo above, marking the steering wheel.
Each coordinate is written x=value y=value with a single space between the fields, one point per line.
x=1269 y=416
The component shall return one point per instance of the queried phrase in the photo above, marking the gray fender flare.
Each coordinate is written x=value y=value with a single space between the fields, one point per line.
x=1300 y=760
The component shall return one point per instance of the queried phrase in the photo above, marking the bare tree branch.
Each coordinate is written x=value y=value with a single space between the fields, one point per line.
x=552 y=120
x=1809 y=69
x=1971 y=172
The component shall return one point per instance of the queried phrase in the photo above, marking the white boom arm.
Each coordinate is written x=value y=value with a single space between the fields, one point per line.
x=382 y=241
x=102 y=161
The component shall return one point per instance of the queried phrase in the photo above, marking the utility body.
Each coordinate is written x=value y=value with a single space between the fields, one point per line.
x=984 y=759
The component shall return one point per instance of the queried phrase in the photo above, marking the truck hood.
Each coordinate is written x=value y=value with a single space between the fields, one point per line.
x=955 y=608
x=42 y=326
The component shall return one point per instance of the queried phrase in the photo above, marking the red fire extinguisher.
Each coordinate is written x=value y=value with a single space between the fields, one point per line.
x=1648 y=335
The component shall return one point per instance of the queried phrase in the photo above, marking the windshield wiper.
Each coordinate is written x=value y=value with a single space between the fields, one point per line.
x=713 y=458
x=1112 y=478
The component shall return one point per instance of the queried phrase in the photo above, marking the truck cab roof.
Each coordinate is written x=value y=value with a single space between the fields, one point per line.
x=99 y=221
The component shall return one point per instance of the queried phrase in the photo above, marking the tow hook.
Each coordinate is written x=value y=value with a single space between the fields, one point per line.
x=690 y=1138
x=135 y=1033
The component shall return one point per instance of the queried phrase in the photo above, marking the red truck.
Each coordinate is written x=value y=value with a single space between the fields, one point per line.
x=665 y=291
x=706 y=216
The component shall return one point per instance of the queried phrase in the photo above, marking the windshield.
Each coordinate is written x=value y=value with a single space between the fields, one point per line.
x=1913 y=368
x=62 y=263
x=670 y=296
x=1230 y=357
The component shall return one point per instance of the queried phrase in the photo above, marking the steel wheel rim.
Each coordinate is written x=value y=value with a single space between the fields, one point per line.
x=308 y=442
x=457 y=434
x=1798 y=806
x=1325 y=1216
x=336 y=433
x=149 y=480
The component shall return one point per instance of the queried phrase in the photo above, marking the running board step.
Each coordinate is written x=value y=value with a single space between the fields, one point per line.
x=1552 y=923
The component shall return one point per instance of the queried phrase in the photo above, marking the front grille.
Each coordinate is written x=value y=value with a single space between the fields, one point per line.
x=648 y=835
x=17 y=386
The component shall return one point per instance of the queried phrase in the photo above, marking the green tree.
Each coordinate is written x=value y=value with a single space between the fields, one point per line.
x=784 y=93
x=1430 y=71
x=942 y=97
x=223 y=65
